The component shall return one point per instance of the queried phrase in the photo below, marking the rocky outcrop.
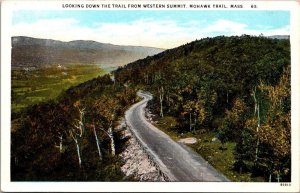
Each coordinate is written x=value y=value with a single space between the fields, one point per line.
x=189 y=140
x=137 y=163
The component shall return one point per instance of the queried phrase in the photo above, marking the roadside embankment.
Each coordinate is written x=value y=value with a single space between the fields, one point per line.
x=137 y=163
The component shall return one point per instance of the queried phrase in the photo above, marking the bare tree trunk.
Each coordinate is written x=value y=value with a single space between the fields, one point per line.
x=255 y=101
x=270 y=177
x=257 y=130
x=77 y=147
x=161 y=97
x=256 y=110
x=81 y=119
x=78 y=152
x=112 y=142
x=109 y=133
x=61 y=144
x=98 y=143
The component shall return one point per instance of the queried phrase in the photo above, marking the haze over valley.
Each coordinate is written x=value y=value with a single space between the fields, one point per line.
x=34 y=52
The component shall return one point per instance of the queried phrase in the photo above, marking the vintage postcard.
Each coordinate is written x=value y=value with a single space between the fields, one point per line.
x=180 y=96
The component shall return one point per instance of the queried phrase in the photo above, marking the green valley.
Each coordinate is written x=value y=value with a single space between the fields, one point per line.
x=34 y=85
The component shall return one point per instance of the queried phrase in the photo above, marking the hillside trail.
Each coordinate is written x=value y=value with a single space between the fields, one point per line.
x=177 y=161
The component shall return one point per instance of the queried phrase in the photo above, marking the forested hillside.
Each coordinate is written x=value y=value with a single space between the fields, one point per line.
x=236 y=87
x=73 y=137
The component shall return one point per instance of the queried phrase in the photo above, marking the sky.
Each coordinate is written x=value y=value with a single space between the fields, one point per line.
x=154 y=28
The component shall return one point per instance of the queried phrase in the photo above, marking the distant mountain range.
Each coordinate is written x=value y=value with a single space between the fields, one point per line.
x=280 y=37
x=34 y=52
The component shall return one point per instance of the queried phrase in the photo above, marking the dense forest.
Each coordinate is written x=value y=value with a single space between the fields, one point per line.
x=73 y=137
x=237 y=87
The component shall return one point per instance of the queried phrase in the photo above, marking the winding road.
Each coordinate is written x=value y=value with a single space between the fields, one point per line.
x=175 y=160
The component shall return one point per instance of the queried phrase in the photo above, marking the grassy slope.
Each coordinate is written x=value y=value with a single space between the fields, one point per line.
x=220 y=157
x=38 y=85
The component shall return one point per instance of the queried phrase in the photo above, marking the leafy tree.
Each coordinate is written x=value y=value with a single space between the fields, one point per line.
x=233 y=121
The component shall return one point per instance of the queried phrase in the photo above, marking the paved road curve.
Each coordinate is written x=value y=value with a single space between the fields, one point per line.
x=177 y=161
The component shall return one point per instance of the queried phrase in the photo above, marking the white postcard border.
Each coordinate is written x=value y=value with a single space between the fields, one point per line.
x=7 y=185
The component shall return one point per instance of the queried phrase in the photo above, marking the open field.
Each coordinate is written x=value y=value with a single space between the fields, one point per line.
x=30 y=86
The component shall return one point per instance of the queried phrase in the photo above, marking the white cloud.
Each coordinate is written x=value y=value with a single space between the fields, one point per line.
x=225 y=26
x=285 y=30
x=60 y=29
x=145 y=32
x=164 y=34
x=236 y=28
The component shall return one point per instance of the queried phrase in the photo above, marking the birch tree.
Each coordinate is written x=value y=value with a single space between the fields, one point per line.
x=161 y=99
x=274 y=133
x=256 y=113
x=77 y=130
x=97 y=141
x=104 y=118
x=76 y=137
x=60 y=146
